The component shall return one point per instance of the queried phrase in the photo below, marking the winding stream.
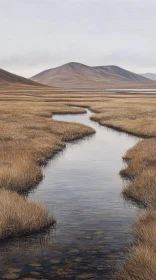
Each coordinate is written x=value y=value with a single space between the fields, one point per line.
x=82 y=189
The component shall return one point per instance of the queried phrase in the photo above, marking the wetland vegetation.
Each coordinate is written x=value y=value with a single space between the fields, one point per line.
x=29 y=137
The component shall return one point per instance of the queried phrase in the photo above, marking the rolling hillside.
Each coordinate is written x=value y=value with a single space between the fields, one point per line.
x=77 y=75
x=9 y=78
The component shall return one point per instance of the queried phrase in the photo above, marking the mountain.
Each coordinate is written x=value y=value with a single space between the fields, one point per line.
x=121 y=74
x=149 y=76
x=9 y=78
x=77 y=75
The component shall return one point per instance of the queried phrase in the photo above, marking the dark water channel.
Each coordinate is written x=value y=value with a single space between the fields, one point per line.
x=82 y=189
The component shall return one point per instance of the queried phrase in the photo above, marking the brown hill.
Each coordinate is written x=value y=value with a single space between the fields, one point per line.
x=121 y=74
x=9 y=78
x=77 y=75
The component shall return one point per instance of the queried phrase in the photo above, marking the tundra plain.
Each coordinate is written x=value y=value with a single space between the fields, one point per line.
x=29 y=137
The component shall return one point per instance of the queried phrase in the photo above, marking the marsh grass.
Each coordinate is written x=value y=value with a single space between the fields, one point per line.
x=140 y=264
x=136 y=116
x=141 y=169
x=29 y=137
x=28 y=141
x=141 y=259
x=19 y=216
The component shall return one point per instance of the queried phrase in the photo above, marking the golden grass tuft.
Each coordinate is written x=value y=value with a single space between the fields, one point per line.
x=141 y=169
x=144 y=230
x=143 y=188
x=140 y=264
x=19 y=216
x=141 y=259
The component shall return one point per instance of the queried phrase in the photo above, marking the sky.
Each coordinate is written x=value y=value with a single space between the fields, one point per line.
x=42 y=34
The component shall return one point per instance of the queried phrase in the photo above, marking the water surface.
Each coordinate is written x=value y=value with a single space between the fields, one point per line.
x=82 y=189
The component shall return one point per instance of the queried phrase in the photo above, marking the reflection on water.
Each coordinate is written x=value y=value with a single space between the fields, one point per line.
x=82 y=189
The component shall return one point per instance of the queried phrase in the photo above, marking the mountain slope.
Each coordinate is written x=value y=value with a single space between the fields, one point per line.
x=149 y=76
x=121 y=74
x=8 y=78
x=78 y=75
x=67 y=72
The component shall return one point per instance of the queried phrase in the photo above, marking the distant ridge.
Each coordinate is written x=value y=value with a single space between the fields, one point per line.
x=77 y=75
x=121 y=74
x=9 y=78
x=149 y=76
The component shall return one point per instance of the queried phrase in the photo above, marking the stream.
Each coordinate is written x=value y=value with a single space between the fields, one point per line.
x=82 y=188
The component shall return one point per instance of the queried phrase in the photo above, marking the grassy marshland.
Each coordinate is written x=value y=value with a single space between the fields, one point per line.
x=141 y=170
x=28 y=137
x=29 y=143
x=136 y=115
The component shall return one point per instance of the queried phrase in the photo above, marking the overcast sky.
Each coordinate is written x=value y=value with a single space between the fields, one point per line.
x=41 y=34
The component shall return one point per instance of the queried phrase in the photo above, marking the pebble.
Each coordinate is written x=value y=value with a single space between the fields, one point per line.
x=35 y=273
x=14 y=269
x=99 y=232
x=10 y=276
x=108 y=261
x=74 y=251
x=28 y=278
x=113 y=257
x=55 y=261
x=100 y=268
x=35 y=264
x=105 y=251
x=87 y=237
x=85 y=276
x=78 y=259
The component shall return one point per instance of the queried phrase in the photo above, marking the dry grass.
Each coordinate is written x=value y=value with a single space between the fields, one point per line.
x=144 y=230
x=28 y=137
x=140 y=264
x=141 y=260
x=135 y=115
x=141 y=169
x=19 y=216
x=143 y=188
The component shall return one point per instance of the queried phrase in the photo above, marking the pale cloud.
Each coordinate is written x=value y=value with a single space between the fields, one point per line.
x=40 y=34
